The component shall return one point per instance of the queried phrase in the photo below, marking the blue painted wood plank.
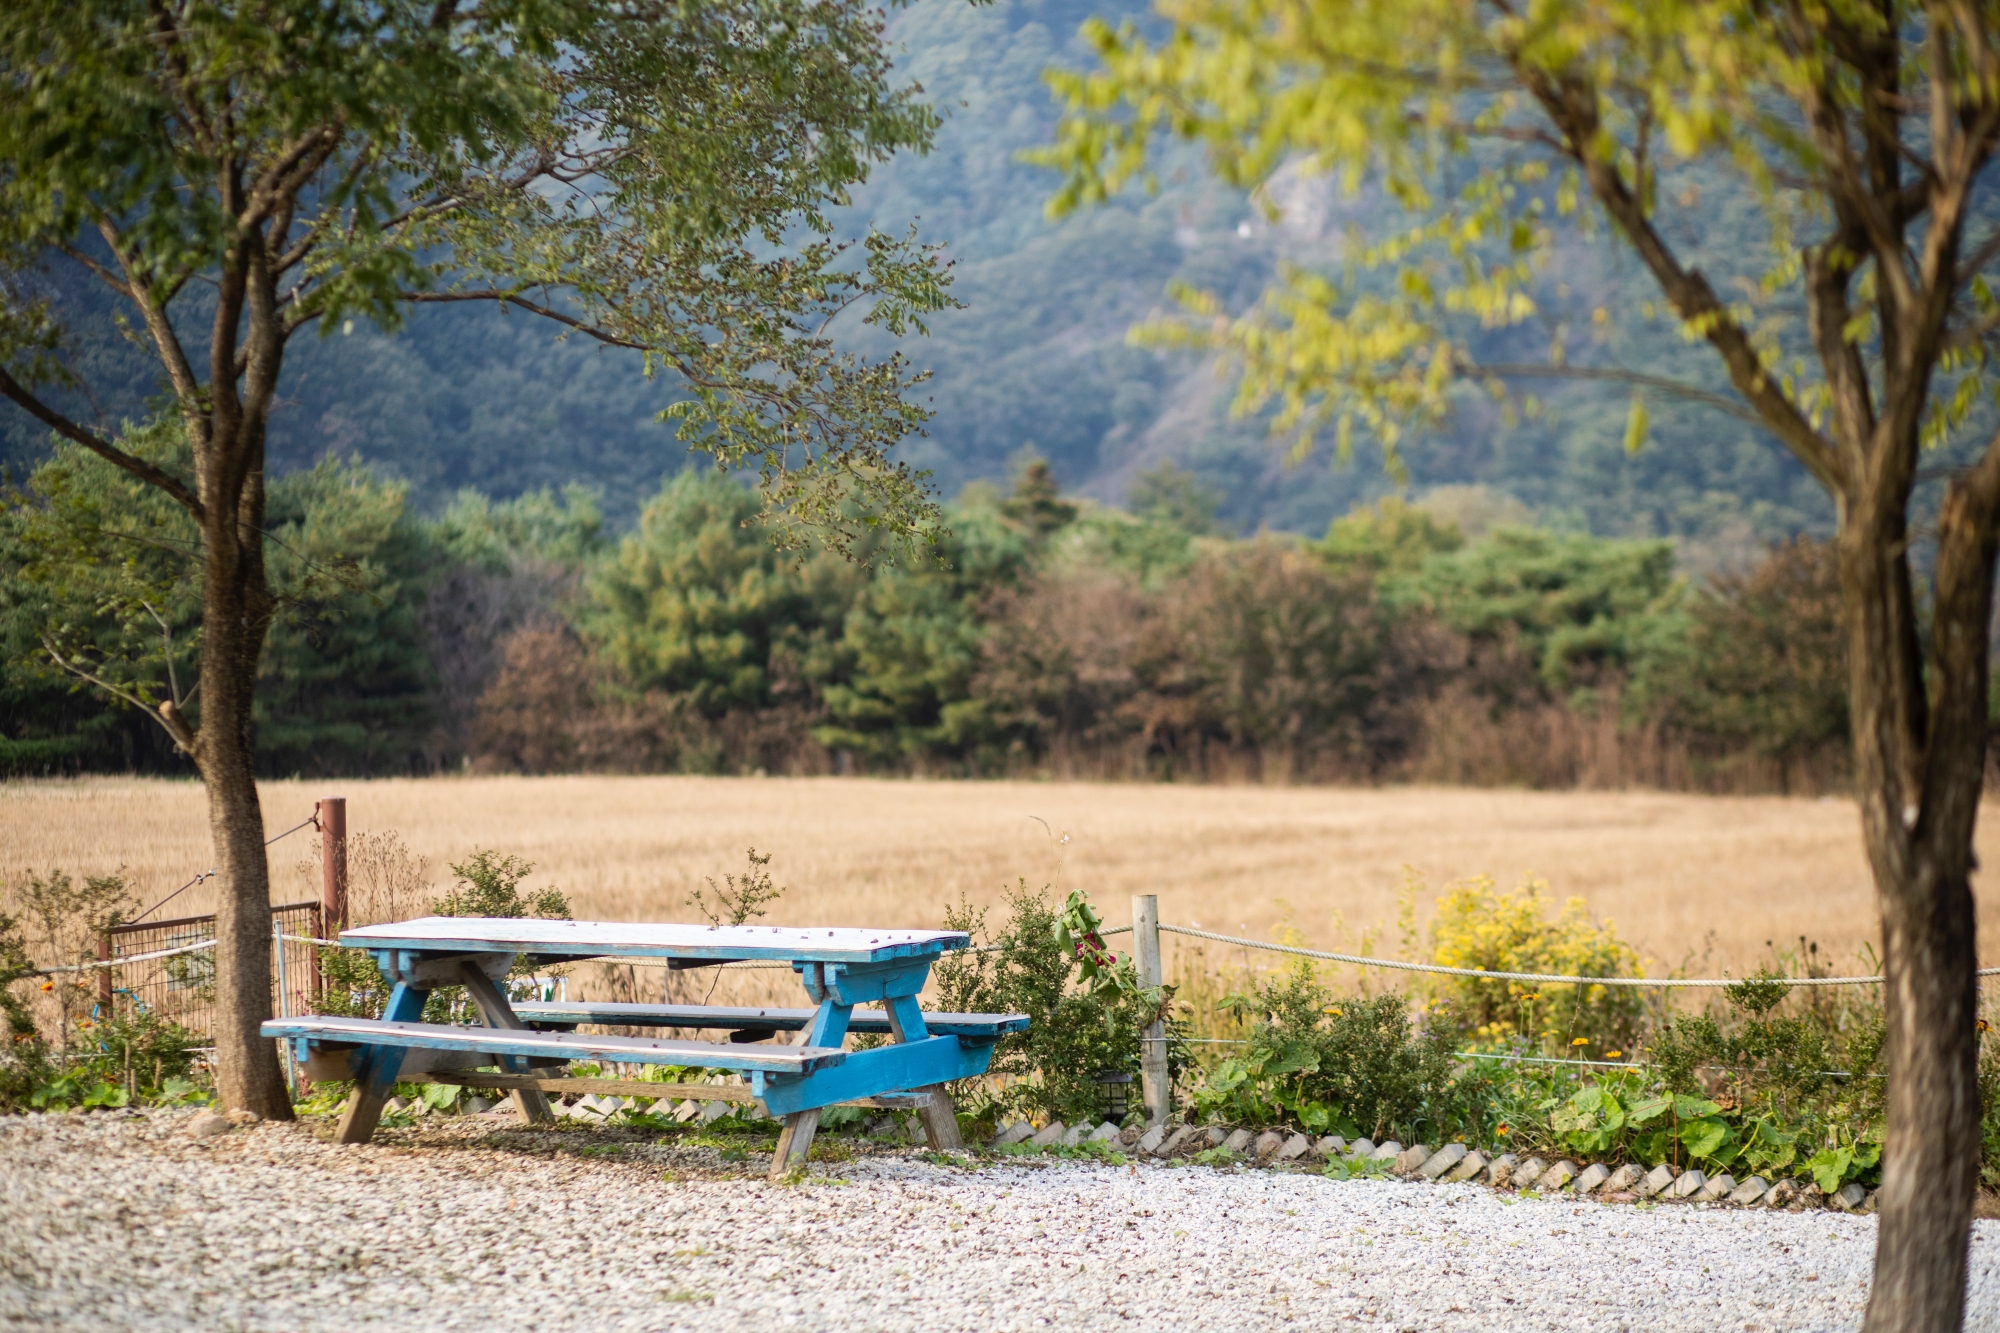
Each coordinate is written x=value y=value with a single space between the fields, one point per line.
x=794 y=1060
x=738 y=1018
x=638 y=939
x=894 y=1068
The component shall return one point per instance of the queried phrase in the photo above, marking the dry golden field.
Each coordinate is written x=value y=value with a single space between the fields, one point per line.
x=1715 y=877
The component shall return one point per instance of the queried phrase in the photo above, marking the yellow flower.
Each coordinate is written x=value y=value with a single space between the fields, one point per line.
x=1501 y=1131
x=1613 y=1055
x=1332 y=1009
x=1581 y=1041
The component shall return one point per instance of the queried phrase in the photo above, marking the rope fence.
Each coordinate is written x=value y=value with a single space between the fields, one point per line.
x=1482 y=974
x=1357 y=960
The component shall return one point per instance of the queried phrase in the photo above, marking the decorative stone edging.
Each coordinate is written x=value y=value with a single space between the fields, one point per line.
x=1628 y=1183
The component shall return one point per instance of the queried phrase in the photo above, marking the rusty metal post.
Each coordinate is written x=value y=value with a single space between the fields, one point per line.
x=333 y=865
x=104 y=987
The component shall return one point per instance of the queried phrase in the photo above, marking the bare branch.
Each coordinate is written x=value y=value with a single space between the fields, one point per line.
x=167 y=714
x=514 y=299
x=1638 y=379
x=103 y=448
x=1573 y=108
x=1967 y=335
x=286 y=176
x=103 y=274
x=168 y=343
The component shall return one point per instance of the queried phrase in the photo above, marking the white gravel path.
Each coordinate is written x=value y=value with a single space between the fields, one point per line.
x=124 y=1223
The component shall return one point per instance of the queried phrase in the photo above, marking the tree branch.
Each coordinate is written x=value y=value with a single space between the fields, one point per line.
x=103 y=448
x=1612 y=374
x=513 y=299
x=1573 y=109
x=167 y=715
x=103 y=274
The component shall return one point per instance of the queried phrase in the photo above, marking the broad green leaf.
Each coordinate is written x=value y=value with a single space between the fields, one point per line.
x=1704 y=1138
x=1829 y=1167
x=1693 y=1108
x=1643 y=1111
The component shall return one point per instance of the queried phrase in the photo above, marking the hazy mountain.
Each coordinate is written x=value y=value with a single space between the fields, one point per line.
x=1039 y=357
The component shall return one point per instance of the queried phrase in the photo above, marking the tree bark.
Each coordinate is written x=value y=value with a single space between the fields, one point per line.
x=1920 y=756
x=236 y=614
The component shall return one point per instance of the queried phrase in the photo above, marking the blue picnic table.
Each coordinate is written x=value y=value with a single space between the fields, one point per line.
x=839 y=967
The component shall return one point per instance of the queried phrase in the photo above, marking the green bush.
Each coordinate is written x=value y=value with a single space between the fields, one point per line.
x=1747 y=1089
x=1076 y=1032
x=486 y=884
x=24 y=1060
x=1354 y=1066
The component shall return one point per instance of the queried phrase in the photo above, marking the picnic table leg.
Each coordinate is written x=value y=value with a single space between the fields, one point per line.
x=530 y=1104
x=936 y=1111
x=940 y=1119
x=794 y=1141
x=375 y=1080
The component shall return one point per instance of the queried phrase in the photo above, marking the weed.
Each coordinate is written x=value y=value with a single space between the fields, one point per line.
x=739 y=898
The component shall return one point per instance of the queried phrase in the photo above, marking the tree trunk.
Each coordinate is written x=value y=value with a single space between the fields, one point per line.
x=1930 y=1160
x=1920 y=750
x=236 y=610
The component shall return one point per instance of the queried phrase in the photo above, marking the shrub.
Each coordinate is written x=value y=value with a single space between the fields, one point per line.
x=1511 y=932
x=486 y=884
x=24 y=1059
x=1075 y=1034
x=1744 y=1088
x=1352 y=1066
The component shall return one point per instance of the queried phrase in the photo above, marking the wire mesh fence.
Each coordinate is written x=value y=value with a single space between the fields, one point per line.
x=166 y=969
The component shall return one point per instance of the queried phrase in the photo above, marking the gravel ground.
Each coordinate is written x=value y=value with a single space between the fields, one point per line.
x=124 y=1222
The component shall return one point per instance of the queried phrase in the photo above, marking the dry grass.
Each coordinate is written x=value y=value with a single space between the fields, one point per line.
x=1709 y=876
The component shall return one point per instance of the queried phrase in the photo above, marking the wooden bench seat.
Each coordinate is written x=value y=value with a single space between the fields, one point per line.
x=334 y=1033
x=748 y=1021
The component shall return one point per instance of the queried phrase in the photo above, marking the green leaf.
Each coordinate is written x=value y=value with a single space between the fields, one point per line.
x=1704 y=1138
x=1646 y=1110
x=1637 y=425
x=1687 y=1107
x=1830 y=1167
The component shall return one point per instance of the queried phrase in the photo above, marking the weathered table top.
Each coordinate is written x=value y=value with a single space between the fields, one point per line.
x=640 y=939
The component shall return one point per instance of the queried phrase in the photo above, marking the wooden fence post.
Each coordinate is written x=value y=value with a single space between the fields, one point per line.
x=1153 y=1081
x=333 y=865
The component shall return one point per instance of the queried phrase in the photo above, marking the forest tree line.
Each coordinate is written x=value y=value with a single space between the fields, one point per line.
x=1049 y=635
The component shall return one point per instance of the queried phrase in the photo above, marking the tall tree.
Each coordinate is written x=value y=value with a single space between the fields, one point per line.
x=652 y=175
x=1862 y=132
